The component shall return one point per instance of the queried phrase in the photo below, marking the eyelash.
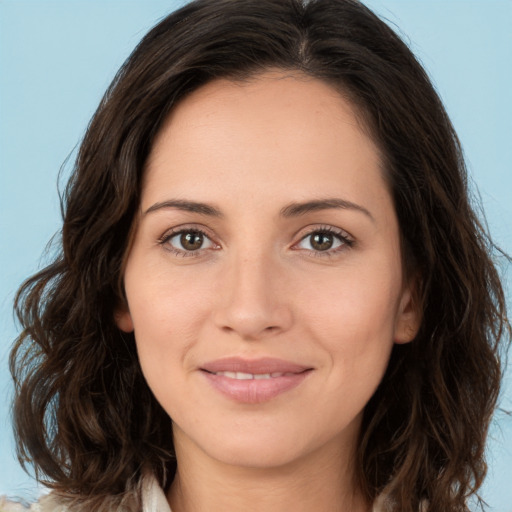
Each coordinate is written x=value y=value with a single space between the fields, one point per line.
x=180 y=252
x=346 y=240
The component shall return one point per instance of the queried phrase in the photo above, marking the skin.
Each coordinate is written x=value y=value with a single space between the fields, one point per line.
x=259 y=287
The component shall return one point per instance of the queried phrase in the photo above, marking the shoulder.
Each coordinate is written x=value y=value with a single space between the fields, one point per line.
x=148 y=491
x=54 y=502
x=50 y=503
x=57 y=503
x=45 y=504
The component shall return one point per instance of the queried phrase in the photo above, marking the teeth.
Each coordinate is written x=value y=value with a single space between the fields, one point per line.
x=244 y=376
x=249 y=376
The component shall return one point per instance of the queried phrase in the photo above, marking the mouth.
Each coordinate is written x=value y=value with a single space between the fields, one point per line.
x=249 y=376
x=262 y=366
x=254 y=381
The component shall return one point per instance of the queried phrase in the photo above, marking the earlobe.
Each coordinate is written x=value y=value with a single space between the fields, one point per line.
x=123 y=320
x=408 y=318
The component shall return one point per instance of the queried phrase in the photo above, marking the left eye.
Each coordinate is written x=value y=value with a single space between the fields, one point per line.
x=189 y=241
x=322 y=241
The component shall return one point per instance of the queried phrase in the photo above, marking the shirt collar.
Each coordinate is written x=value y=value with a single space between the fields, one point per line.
x=153 y=497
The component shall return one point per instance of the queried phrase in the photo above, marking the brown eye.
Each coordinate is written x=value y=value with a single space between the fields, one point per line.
x=192 y=240
x=325 y=241
x=322 y=241
x=188 y=242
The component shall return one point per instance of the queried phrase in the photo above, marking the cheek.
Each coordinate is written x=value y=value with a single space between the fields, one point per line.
x=354 y=304
x=352 y=319
x=167 y=313
x=165 y=302
x=353 y=326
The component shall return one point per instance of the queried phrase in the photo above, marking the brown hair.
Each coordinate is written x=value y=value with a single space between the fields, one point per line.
x=84 y=415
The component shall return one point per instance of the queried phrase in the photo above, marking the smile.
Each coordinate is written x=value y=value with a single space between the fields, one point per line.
x=249 y=376
x=253 y=381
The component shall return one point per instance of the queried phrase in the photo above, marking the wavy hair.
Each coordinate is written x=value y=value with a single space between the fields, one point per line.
x=83 y=413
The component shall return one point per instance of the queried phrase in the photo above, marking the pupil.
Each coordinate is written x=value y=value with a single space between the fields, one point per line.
x=322 y=241
x=191 y=240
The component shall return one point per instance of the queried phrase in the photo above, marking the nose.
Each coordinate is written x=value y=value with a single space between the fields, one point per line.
x=252 y=299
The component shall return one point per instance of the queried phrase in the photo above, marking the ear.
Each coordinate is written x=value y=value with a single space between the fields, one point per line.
x=409 y=315
x=123 y=319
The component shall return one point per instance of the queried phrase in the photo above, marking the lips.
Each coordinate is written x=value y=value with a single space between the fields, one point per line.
x=249 y=376
x=254 y=381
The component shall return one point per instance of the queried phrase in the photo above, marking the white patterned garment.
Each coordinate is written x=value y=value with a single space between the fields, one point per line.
x=153 y=497
x=153 y=500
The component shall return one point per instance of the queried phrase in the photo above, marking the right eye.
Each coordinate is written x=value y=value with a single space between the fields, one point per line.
x=187 y=242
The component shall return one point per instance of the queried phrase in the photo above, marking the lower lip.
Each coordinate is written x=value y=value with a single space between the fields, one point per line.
x=255 y=391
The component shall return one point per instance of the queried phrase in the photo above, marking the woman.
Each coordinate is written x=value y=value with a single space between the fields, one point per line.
x=271 y=284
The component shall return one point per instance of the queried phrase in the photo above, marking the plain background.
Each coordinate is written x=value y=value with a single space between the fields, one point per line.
x=58 y=56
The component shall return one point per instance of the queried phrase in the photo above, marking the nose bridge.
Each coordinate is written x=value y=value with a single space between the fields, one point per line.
x=252 y=302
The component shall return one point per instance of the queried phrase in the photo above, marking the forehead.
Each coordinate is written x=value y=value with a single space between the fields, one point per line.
x=276 y=130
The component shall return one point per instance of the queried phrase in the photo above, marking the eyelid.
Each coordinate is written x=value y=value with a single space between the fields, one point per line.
x=346 y=238
x=187 y=228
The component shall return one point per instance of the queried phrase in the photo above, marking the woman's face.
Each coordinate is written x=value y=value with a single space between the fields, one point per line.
x=264 y=283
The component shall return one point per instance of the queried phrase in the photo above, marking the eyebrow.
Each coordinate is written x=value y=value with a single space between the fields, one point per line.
x=298 y=209
x=295 y=209
x=188 y=206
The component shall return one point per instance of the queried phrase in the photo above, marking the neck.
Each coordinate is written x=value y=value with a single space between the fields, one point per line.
x=322 y=481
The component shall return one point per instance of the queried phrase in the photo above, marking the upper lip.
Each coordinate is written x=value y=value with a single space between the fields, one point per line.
x=255 y=366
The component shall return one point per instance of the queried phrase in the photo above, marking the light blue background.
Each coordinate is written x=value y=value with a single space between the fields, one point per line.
x=58 y=56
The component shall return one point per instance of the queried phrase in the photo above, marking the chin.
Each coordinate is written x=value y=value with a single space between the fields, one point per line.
x=252 y=456
x=271 y=447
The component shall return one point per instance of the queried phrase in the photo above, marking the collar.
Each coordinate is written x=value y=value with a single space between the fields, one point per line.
x=153 y=497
